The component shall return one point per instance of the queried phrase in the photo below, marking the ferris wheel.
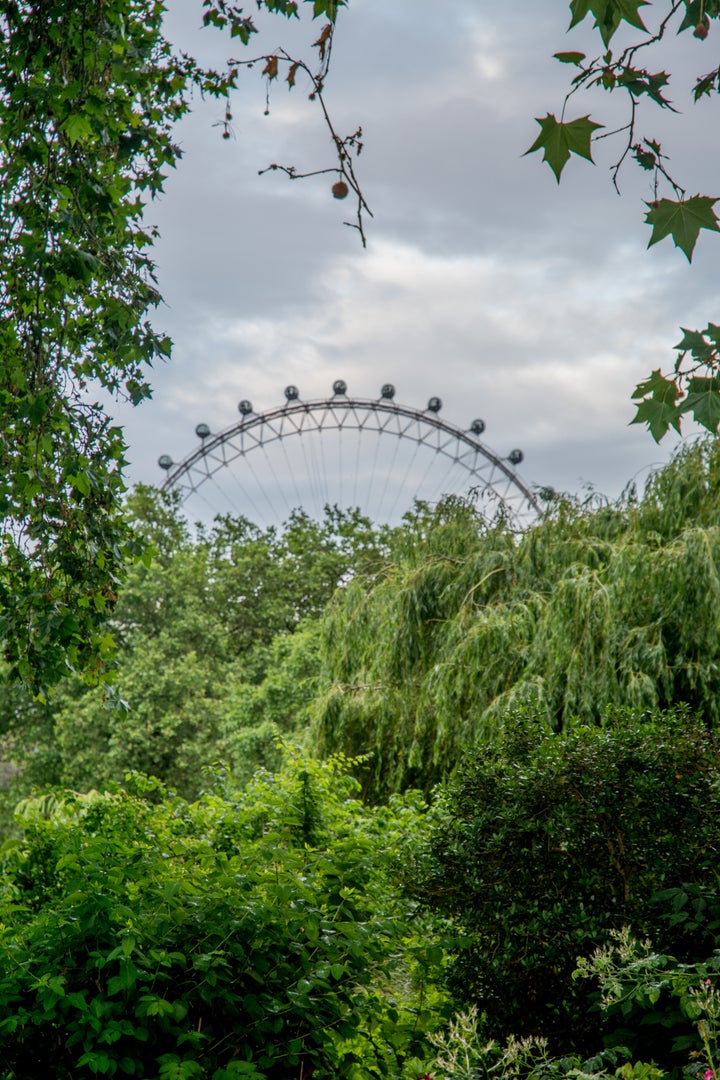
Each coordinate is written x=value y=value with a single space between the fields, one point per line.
x=374 y=454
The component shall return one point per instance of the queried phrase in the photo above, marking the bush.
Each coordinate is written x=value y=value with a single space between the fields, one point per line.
x=246 y=935
x=546 y=843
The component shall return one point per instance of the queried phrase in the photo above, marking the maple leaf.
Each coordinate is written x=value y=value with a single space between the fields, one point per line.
x=638 y=82
x=608 y=14
x=328 y=8
x=659 y=387
x=682 y=219
x=703 y=400
x=696 y=343
x=558 y=140
x=658 y=417
x=658 y=410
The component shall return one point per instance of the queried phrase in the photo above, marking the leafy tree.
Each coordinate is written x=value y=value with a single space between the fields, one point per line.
x=246 y=935
x=218 y=653
x=693 y=385
x=89 y=95
x=544 y=844
x=593 y=606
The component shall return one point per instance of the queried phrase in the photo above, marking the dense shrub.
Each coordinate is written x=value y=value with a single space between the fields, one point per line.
x=543 y=844
x=247 y=935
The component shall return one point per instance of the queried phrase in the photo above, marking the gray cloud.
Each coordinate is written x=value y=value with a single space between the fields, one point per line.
x=533 y=305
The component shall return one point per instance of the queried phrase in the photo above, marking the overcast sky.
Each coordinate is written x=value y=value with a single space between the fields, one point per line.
x=534 y=306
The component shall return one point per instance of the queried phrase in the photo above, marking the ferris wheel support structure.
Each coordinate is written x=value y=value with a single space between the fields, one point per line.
x=486 y=472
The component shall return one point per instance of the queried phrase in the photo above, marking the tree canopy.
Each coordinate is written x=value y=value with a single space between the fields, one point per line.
x=89 y=96
x=217 y=654
x=614 y=604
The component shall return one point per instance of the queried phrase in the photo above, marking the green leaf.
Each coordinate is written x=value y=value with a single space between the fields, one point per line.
x=558 y=140
x=77 y=127
x=608 y=14
x=695 y=342
x=659 y=411
x=661 y=389
x=80 y=482
x=695 y=12
x=327 y=8
x=682 y=219
x=570 y=57
x=703 y=400
x=580 y=9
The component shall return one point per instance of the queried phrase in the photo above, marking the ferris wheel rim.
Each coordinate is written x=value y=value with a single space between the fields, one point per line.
x=210 y=457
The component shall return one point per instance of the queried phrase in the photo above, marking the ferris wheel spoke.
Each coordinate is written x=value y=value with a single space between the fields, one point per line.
x=426 y=450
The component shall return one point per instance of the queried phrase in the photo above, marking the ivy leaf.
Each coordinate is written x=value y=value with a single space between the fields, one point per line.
x=682 y=219
x=558 y=140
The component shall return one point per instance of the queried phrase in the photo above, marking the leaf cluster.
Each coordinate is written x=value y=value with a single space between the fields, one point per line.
x=240 y=936
x=544 y=844
x=89 y=97
x=664 y=400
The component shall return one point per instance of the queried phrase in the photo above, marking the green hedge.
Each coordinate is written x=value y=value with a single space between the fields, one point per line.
x=546 y=843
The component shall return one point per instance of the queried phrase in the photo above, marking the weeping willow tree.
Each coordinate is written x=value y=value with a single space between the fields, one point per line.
x=595 y=606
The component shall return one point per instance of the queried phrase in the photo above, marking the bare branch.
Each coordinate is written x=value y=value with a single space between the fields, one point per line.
x=345 y=147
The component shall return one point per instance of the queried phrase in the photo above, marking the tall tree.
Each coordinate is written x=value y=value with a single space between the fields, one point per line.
x=89 y=95
x=217 y=654
x=594 y=606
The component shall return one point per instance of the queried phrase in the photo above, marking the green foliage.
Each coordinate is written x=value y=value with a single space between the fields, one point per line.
x=682 y=219
x=246 y=935
x=544 y=844
x=89 y=96
x=558 y=140
x=692 y=387
x=594 y=606
x=642 y=989
x=218 y=654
